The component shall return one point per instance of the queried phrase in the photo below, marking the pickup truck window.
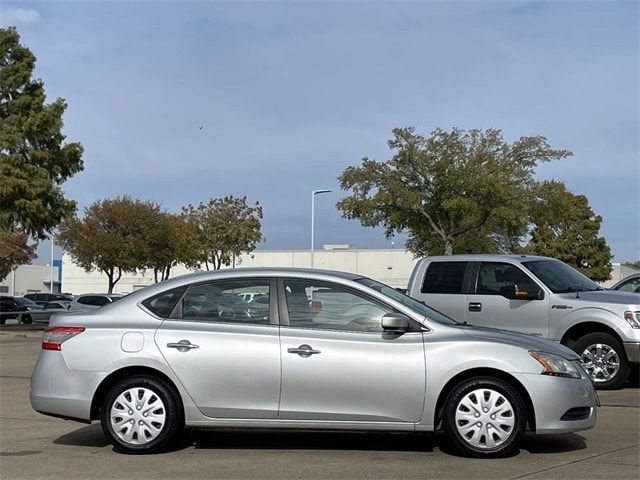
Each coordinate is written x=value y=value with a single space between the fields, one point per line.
x=407 y=301
x=560 y=277
x=493 y=276
x=444 y=277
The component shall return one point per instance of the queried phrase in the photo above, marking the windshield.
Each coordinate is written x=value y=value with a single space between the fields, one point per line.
x=560 y=277
x=407 y=301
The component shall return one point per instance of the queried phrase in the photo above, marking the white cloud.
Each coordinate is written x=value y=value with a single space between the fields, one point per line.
x=18 y=16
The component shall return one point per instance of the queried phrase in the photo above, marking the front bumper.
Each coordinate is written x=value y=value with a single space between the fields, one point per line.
x=554 y=397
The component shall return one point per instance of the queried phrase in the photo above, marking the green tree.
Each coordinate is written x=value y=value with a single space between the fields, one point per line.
x=173 y=241
x=635 y=264
x=564 y=226
x=454 y=191
x=34 y=159
x=14 y=251
x=113 y=236
x=227 y=227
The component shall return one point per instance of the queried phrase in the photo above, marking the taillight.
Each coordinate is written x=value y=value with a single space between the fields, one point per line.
x=54 y=337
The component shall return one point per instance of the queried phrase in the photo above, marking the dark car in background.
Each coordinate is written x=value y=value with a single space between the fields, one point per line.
x=44 y=298
x=13 y=307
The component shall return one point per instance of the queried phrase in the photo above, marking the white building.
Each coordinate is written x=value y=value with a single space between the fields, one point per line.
x=618 y=272
x=391 y=266
x=30 y=279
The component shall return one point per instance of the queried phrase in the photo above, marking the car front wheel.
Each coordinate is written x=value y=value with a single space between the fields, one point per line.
x=142 y=415
x=484 y=417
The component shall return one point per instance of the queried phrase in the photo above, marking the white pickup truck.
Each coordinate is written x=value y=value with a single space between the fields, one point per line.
x=538 y=296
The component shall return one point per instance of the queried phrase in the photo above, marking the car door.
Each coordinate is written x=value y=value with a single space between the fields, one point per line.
x=225 y=350
x=338 y=365
x=444 y=287
x=488 y=307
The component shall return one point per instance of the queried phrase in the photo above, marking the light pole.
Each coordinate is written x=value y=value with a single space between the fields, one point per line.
x=51 y=270
x=313 y=215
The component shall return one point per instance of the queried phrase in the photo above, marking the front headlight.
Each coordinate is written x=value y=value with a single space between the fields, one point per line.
x=632 y=318
x=555 y=365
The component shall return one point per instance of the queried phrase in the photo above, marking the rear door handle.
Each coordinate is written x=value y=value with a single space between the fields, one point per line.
x=475 y=307
x=303 y=350
x=182 y=345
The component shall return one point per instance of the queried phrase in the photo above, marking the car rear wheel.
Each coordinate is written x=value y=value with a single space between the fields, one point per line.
x=142 y=415
x=484 y=417
x=26 y=319
x=603 y=359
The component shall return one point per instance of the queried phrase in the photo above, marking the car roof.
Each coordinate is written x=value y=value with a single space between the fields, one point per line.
x=98 y=295
x=487 y=257
x=265 y=271
x=240 y=273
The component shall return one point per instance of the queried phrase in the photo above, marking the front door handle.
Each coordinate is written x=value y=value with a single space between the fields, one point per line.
x=304 y=351
x=182 y=345
x=475 y=307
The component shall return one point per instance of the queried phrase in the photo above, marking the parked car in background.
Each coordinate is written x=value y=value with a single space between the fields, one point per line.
x=538 y=296
x=44 y=298
x=18 y=307
x=91 y=301
x=324 y=350
x=49 y=309
x=629 y=284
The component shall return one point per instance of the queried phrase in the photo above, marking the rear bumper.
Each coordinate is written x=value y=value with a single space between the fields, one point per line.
x=60 y=392
x=554 y=397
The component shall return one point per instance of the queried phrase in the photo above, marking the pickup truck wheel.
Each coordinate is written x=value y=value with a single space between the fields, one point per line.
x=484 y=417
x=604 y=360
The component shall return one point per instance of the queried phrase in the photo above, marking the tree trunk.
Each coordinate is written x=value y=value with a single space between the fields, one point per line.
x=111 y=282
x=448 y=247
x=155 y=275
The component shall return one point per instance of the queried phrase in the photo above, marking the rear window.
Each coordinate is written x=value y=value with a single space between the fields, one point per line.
x=86 y=300
x=163 y=304
x=444 y=277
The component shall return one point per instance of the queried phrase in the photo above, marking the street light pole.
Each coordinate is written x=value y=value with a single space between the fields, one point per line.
x=313 y=215
x=51 y=271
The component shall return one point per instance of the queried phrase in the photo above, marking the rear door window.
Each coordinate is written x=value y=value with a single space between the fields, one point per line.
x=444 y=277
x=494 y=278
x=245 y=301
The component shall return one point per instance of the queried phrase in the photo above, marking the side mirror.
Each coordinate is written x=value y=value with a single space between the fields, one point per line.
x=395 y=323
x=525 y=291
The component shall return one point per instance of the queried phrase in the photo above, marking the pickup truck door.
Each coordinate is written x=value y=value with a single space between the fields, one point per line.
x=487 y=307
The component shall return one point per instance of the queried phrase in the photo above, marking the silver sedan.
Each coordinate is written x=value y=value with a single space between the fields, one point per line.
x=305 y=349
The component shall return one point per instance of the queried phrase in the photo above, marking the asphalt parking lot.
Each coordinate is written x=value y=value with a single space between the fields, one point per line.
x=36 y=446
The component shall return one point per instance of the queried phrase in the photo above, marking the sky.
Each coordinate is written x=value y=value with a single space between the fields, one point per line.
x=291 y=93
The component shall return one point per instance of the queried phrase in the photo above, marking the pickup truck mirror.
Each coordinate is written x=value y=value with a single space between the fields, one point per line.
x=395 y=323
x=525 y=291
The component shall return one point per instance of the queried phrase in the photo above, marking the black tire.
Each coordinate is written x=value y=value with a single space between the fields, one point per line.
x=173 y=413
x=609 y=341
x=464 y=445
x=26 y=320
